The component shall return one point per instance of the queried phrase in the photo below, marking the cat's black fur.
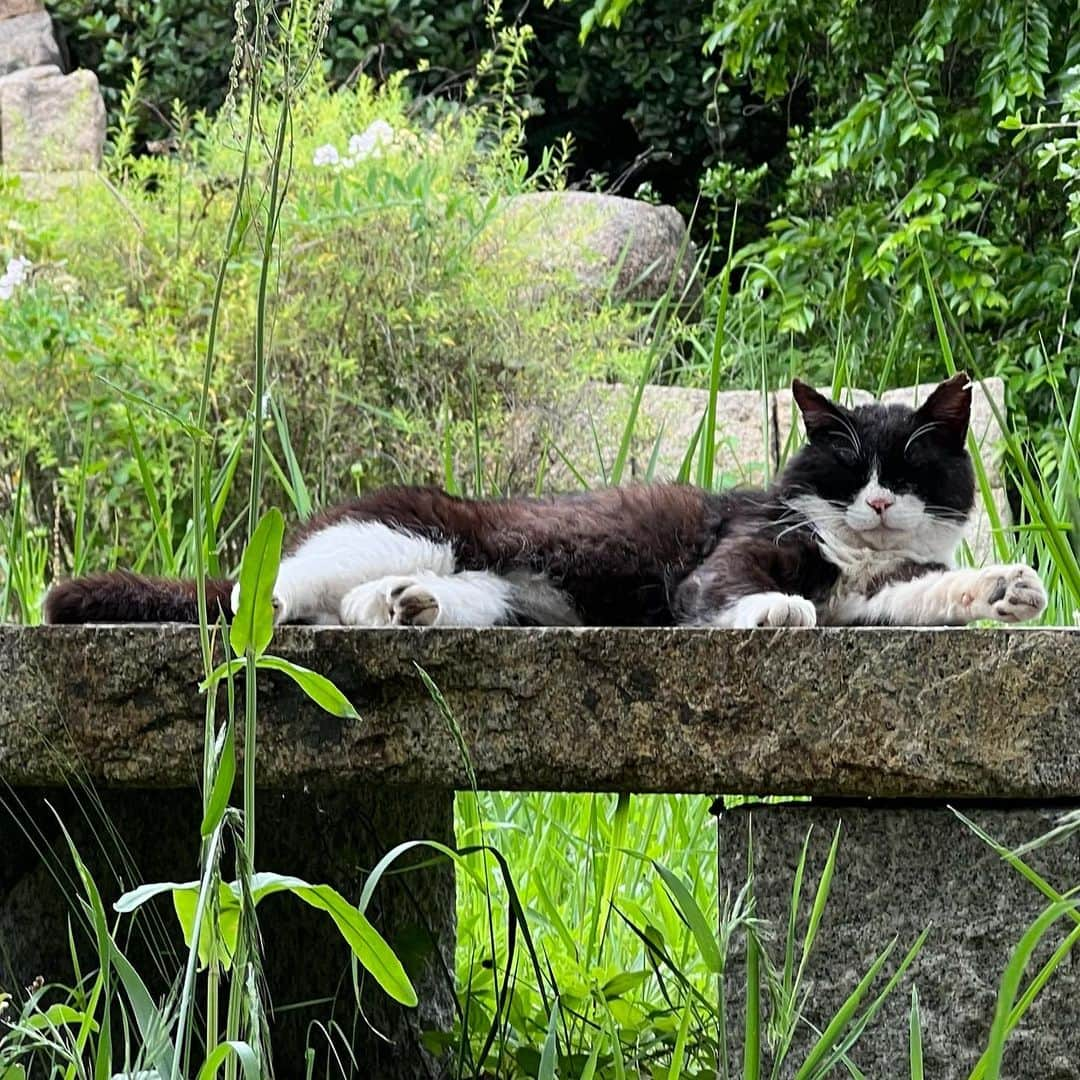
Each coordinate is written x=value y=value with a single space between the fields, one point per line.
x=653 y=555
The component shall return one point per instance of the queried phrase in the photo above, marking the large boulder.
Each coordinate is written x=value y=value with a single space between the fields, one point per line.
x=600 y=244
x=26 y=40
x=10 y=9
x=52 y=123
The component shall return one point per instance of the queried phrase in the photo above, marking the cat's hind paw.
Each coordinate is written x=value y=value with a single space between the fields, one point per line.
x=771 y=609
x=1009 y=594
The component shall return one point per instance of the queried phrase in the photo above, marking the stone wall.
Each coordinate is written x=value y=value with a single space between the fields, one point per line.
x=49 y=121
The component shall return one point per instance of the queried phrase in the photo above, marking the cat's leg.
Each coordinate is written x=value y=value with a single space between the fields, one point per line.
x=470 y=598
x=1011 y=593
x=739 y=587
x=314 y=579
x=762 y=609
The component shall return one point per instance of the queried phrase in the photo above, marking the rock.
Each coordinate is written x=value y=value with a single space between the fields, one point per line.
x=859 y=712
x=41 y=71
x=27 y=41
x=600 y=243
x=10 y=9
x=52 y=123
x=582 y=436
x=900 y=868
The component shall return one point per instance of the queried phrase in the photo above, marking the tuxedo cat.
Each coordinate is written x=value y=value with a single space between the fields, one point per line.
x=859 y=528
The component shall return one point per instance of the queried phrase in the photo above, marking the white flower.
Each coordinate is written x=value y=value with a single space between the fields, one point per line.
x=14 y=276
x=326 y=155
x=370 y=143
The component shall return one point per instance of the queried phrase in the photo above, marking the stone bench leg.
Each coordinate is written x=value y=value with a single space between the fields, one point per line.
x=899 y=867
x=135 y=836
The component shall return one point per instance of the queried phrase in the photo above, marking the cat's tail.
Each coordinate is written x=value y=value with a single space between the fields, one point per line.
x=120 y=596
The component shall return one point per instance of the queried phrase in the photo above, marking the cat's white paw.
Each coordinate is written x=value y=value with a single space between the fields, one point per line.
x=276 y=600
x=413 y=604
x=390 y=601
x=773 y=609
x=1008 y=593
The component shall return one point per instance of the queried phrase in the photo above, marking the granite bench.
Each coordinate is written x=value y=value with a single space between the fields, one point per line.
x=884 y=728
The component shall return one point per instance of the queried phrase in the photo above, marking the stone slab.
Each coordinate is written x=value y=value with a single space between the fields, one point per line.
x=863 y=712
x=10 y=9
x=899 y=869
x=55 y=123
x=598 y=244
x=26 y=41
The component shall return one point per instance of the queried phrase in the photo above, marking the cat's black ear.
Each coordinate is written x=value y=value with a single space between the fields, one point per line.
x=818 y=412
x=948 y=408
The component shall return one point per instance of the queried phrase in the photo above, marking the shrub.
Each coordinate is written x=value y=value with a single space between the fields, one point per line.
x=399 y=327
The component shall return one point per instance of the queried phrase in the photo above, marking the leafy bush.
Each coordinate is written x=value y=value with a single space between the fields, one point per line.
x=639 y=93
x=906 y=157
x=393 y=305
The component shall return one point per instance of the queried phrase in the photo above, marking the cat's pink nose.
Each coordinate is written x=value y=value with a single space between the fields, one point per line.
x=880 y=503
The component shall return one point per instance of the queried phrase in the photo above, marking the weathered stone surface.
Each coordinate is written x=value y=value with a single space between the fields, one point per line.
x=10 y=9
x=41 y=71
x=133 y=837
x=898 y=870
x=53 y=123
x=823 y=712
x=602 y=242
x=27 y=40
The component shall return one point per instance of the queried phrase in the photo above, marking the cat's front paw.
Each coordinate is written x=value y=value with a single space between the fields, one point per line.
x=393 y=601
x=773 y=609
x=1008 y=593
x=276 y=601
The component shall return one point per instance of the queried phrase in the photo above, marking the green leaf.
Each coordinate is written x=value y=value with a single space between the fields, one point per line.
x=623 y=983
x=368 y=945
x=57 y=1015
x=215 y=943
x=242 y=1051
x=222 y=671
x=695 y=918
x=679 y=1053
x=550 y=1054
x=317 y=687
x=224 y=776
x=1010 y=983
x=253 y=625
x=915 y=1039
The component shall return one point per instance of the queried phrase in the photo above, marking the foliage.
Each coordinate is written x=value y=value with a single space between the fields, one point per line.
x=906 y=156
x=397 y=290
x=635 y=94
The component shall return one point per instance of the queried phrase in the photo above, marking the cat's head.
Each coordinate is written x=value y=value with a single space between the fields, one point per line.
x=885 y=477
